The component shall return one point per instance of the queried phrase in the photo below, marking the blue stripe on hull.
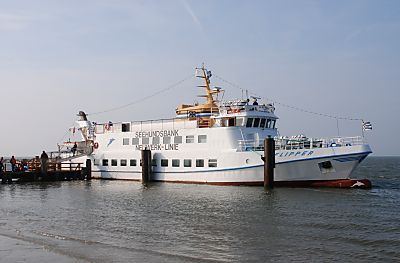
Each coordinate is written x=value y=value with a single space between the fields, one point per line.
x=364 y=154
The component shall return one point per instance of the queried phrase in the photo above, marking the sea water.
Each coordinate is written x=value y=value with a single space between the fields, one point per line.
x=123 y=221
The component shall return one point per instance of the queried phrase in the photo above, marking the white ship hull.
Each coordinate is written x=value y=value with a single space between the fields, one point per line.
x=300 y=169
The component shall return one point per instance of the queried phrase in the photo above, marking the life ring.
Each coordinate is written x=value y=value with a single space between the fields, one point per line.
x=96 y=145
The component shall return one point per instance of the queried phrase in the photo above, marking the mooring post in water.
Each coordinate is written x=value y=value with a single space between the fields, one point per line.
x=146 y=166
x=269 y=162
x=88 y=169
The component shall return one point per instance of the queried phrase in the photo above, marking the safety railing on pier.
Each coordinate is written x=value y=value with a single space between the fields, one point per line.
x=35 y=165
x=302 y=143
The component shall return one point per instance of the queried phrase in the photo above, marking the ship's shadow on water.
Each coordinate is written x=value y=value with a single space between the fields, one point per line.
x=124 y=221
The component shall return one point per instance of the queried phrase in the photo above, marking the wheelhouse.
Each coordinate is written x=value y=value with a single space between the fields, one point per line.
x=241 y=114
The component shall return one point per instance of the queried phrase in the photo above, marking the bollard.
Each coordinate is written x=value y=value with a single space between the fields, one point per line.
x=146 y=166
x=269 y=162
x=88 y=169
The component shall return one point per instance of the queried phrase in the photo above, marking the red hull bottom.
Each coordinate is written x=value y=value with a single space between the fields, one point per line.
x=344 y=183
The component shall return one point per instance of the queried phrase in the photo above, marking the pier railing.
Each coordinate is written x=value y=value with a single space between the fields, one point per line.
x=300 y=143
x=34 y=165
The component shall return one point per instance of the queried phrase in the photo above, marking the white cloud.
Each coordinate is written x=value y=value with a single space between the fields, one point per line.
x=192 y=14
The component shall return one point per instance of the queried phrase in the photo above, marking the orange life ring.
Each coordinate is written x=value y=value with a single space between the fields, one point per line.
x=96 y=145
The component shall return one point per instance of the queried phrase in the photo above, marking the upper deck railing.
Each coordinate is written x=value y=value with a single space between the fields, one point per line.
x=301 y=143
x=160 y=124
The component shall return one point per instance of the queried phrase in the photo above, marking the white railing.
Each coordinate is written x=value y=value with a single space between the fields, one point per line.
x=249 y=145
x=303 y=143
x=148 y=125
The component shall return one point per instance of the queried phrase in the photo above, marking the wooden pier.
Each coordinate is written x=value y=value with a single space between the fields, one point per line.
x=53 y=170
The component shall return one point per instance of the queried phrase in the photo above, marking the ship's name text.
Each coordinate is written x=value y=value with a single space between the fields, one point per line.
x=298 y=153
x=158 y=147
x=166 y=133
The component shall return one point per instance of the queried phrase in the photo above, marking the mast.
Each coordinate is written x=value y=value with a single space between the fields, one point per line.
x=209 y=93
x=210 y=105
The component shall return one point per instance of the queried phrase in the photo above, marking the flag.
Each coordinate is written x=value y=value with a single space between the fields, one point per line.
x=367 y=126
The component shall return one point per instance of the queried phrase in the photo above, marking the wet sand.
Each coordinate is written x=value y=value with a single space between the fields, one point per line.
x=16 y=250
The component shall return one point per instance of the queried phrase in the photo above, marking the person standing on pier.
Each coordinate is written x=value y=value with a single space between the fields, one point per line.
x=13 y=162
x=74 y=148
x=44 y=158
x=1 y=168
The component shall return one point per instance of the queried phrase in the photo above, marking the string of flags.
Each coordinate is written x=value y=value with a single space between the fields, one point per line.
x=367 y=126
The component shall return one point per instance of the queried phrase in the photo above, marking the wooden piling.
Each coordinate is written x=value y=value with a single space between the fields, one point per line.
x=269 y=162
x=146 y=166
x=88 y=169
x=3 y=176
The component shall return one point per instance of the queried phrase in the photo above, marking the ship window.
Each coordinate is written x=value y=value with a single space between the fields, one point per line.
x=135 y=141
x=126 y=127
x=145 y=140
x=125 y=141
x=95 y=162
x=249 y=122
x=99 y=128
x=231 y=122
x=114 y=162
x=167 y=140
x=239 y=121
x=199 y=163
x=132 y=162
x=105 y=162
x=273 y=124
x=256 y=122
x=175 y=163
x=268 y=123
x=178 y=139
x=202 y=139
x=164 y=162
x=153 y=162
x=155 y=140
x=190 y=139
x=187 y=163
x=123 y=163
x=212 y=163
x=262 y=123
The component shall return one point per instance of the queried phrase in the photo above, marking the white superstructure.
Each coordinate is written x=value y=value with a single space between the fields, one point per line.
x=215 y=143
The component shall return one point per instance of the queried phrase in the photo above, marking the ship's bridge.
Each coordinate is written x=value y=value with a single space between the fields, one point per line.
x=242 y=113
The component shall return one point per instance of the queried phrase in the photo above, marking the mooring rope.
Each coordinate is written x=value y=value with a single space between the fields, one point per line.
x=289 y=106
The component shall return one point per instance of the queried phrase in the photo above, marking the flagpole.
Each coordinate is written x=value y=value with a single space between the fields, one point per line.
x=337 y=126
x=362 y=128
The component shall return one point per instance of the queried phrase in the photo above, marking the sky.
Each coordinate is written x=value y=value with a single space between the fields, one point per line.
x=339 y=58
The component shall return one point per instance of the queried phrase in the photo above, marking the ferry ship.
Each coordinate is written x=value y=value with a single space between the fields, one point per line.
x=219 y=143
